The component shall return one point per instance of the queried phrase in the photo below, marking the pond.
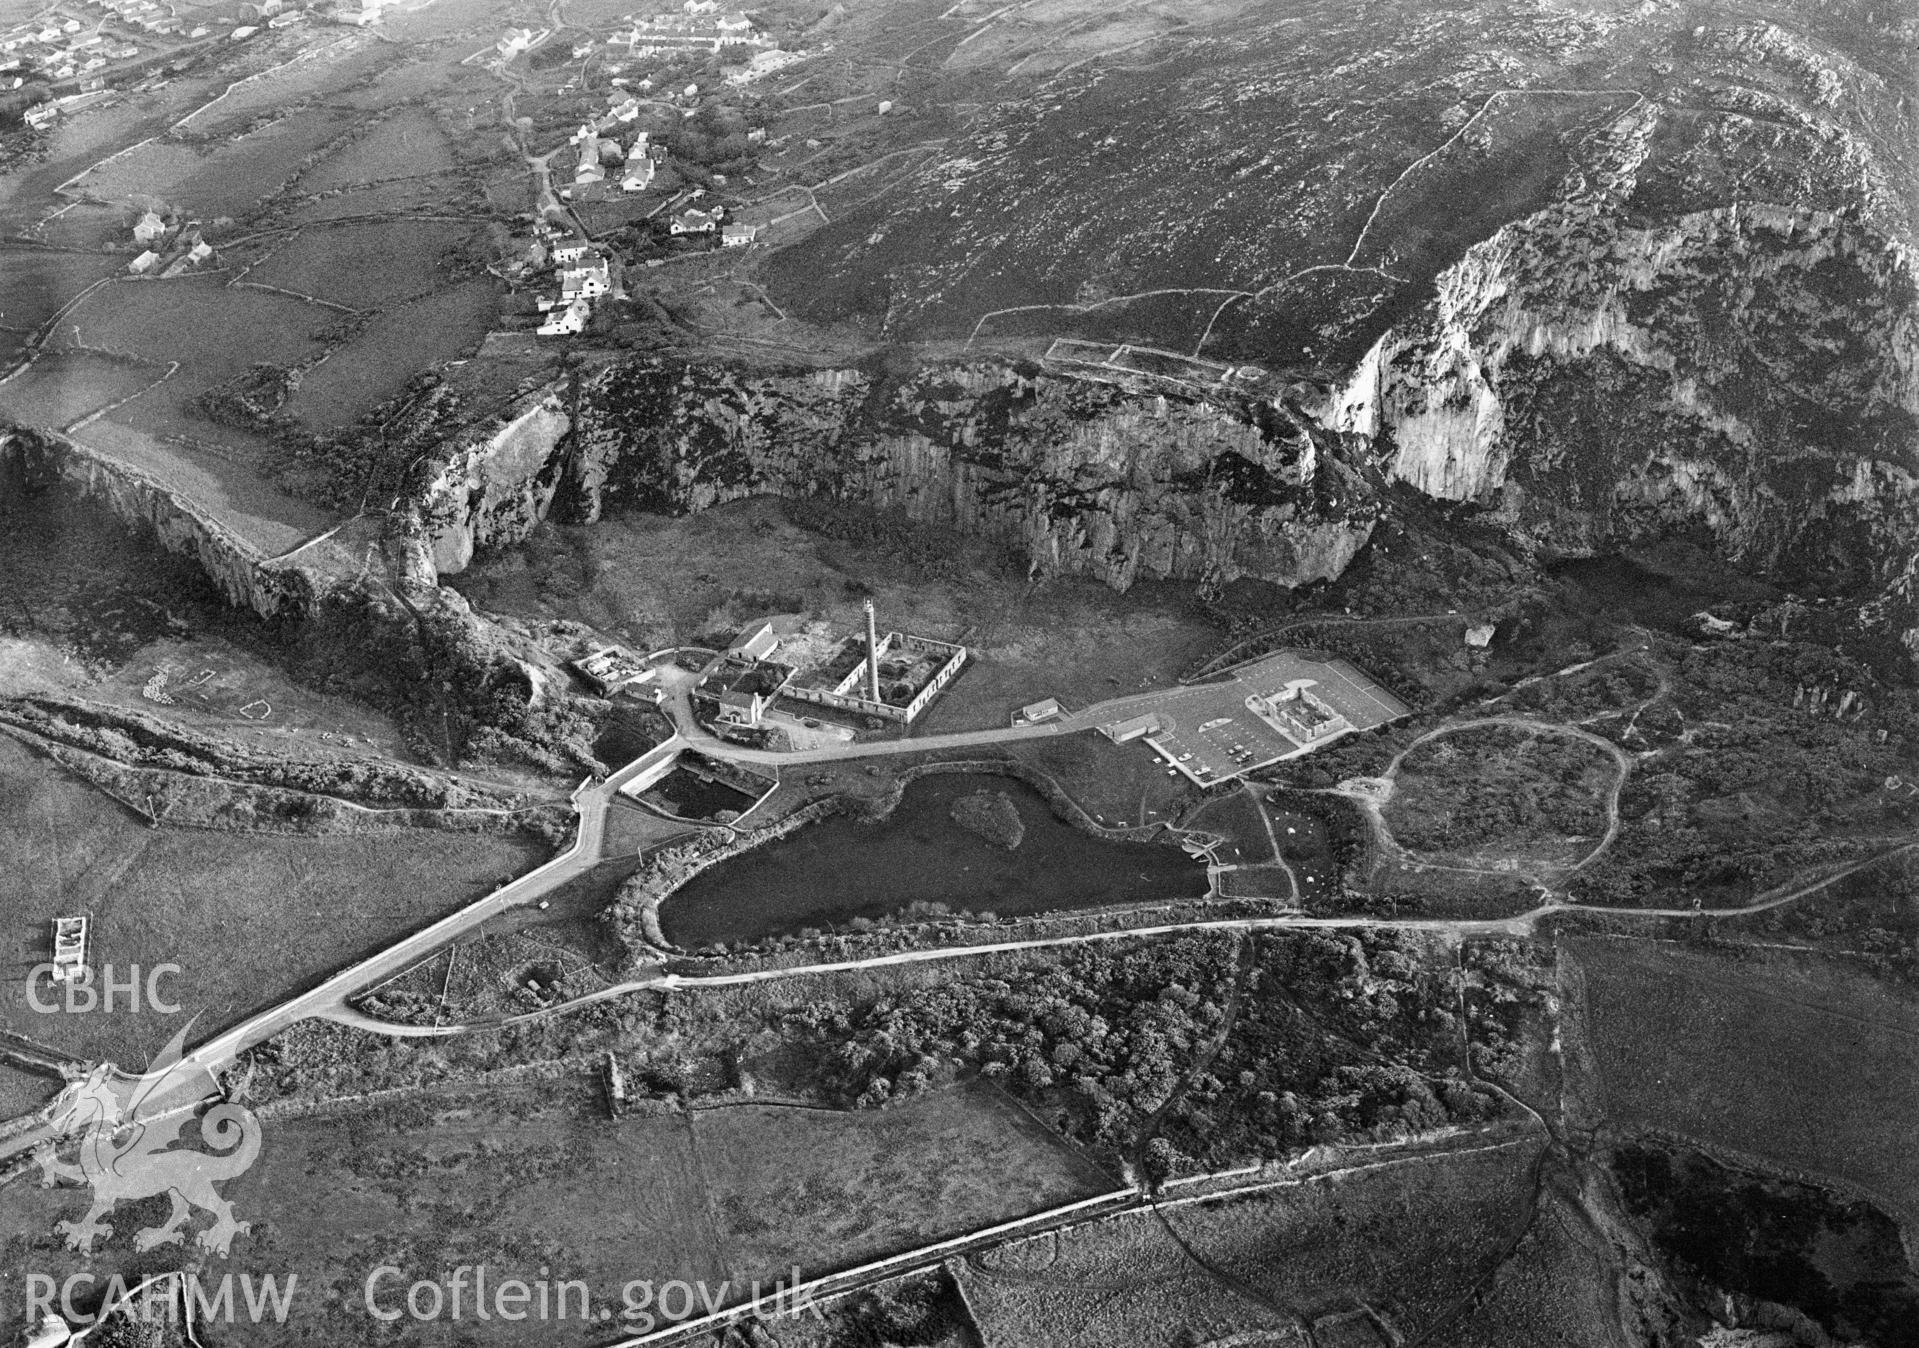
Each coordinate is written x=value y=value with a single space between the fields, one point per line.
x=691 y=795
x=828 y=873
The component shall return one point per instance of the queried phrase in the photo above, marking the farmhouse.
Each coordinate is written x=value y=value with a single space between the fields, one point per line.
x=738 y=236
x=144 y=263
x=149 y=229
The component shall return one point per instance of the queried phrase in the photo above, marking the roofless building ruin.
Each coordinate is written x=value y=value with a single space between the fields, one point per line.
x=892 y=677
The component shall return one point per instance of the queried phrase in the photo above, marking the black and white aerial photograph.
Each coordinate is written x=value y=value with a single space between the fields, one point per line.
x=959 y=674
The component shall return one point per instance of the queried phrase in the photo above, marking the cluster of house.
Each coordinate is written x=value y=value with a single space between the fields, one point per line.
x=148 y=15
x=633 y=167
x=585 y=273
x=59 y=46
x=696 y=221
x=164 y=251
x=62 y=50
x=701 y=25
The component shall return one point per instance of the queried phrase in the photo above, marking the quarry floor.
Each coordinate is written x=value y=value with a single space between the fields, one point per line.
x=654 y=581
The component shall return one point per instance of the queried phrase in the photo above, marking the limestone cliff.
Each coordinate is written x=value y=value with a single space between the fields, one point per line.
x=1084 y=478
x=36 y=459
x=497 y=480
x=1751 y=370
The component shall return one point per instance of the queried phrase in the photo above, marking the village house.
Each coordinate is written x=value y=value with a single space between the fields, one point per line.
x=763 y=64
x=738 y=236
x=149 y=229
x=585 y=283
x=694 y=222
x=568 y=321
x=639 y=174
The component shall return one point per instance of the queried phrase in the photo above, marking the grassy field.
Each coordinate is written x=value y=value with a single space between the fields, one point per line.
x=1408 y=1240
x=226 y=485
x=248 y=917
x=1117 y=784
x=1124 y=1280
x=404 y=145
x=215 y=333
x=232 y=179
x=1798 y=1064
x=827 y=1189
x=86 y=227
x=1239 y=817
x=418 y=195
x=370 y=266
x=532 y=1178
x=62 y=388
x=1555 y=1288
x=348 y=58
x=519 y=1179
x=383 y=356
x=38 y=285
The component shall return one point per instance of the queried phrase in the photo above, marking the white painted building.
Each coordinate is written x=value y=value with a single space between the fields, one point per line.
x=568 y=321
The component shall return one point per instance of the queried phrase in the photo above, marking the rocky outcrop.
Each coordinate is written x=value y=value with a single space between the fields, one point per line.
x=1750 y=371
x=37 y=459
x=496 y=482
x=397 y=640
x=1083 y=478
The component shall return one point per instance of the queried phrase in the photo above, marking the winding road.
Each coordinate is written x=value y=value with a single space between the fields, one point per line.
x=593 y=799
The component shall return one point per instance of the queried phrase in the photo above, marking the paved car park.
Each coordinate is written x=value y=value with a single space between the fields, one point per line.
x=1208 y=732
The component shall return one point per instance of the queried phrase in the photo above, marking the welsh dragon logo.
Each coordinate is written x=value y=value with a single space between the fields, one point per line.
x=128 y=1127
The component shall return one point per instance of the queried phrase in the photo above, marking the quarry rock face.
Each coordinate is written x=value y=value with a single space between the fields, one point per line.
x=496 y=480
x=1752 y=371
x=1084 y=479
x=33 y=460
